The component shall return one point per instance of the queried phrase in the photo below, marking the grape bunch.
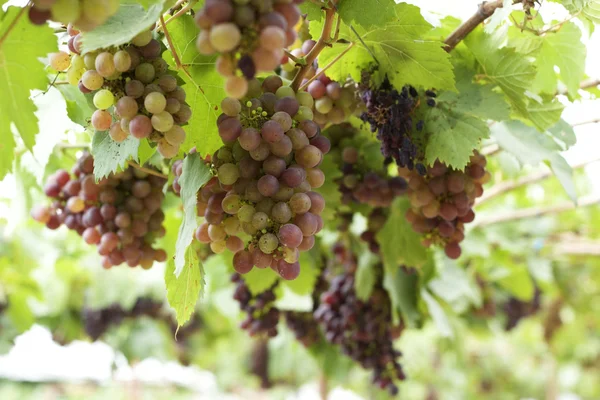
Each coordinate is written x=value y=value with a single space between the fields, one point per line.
x=361 y=328
x=516 y=309
x=390 y=114
x=84 y=14
x=375 y=222
x=261 y=204
x=442 y=201
x=249 y=36
x=262 y=316
x=120 y=214
x=133 y=91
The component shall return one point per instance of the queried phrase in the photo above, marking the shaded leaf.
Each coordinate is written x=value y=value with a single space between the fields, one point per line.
x=110 y=156
x=183 y=289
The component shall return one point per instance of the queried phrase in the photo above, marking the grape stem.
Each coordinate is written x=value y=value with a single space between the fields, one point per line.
x=586 y=84
x=179 y=13
x=322 y=71
x=298 y=60
x=323 y=42
x=507 y=186
x=13 y=23
x=178 y=63
x=146 y=170
x=486 y=9
x=534 y=212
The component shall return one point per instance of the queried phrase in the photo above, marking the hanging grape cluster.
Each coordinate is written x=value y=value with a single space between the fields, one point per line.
x=133 y=91
x=390 y=114
x=442 y=202
x=84 y=14
x=261 y=204
x=516 y=309
x=249 y=36
x=262 y=316
x=120 y=214
x=363 y=330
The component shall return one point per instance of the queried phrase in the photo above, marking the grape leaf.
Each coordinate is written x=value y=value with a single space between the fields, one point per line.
x=399 y=243
x=544 y=113
x=452 y=136
x=145 y=151
x=437 y=314
x=532 y=147
x=589 y=8
x=203 y=86
x=399 y=48
x=474 y=99
x=195 y=173
x=312 y=11
x=20 y=72
x=564 y=132
x=377 y=13
x=562 y=49
x=309 y=271
x=402 y=289
x=330 y=189
x=79 y=109
x=145 y=3
x=523 y=42
x=110 y=156
x=365 y=274
x=503 y=67
x=183 y=289
x=127 y=23
x=258 y=280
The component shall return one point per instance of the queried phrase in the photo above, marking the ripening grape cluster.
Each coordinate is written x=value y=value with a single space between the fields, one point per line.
x=261 y=204
x=516 y=309
x=390 y=114
x=334 y=103
x=133 y=91
x=97 y=321
x=375 y=222
x=249 y=36
x=363 y=330
x=120 y=214
x=262 y=316
x=442 y=202
x=84 y=14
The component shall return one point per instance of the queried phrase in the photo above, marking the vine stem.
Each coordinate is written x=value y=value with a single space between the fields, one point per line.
x=486 y=10
x=179 y=13
x=507 y=186
x=178 y=63
x=298 y=61
x=13 y=23
x=534 y=212
x=316 y=50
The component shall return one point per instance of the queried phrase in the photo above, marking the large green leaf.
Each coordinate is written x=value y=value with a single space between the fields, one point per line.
x=78 y=107
x=437 y=314
x=183 y=289
x=532 y=147
x=403 y=291
x=377 y=13
x=400 y=245
x=127 y=23
x=110 y=156
x=260 y=279
x=195 y=173
x=20 y=72
x=562 y=49
x=399 y=48
x=330 y=189
x=589 y=8
x=203 y=86
x=365 y=273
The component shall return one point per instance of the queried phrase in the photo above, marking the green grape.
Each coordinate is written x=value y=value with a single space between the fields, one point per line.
x=219 y=246
x=324 y=105
x=231 y=226
x=155 y=102
x=65 y=11
x=304 y=114
x=142 y=39
x=246 y=213
x=231 y=107
x=162 y=121
x=285 y=91
x=305 y=99
x=104 y=99
x=231 y=204
x=260 y=220
x=228 y=174
x=225 y=37
x=122 y=61
x=90 y=60
x=268 y=243
x=145 y=73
